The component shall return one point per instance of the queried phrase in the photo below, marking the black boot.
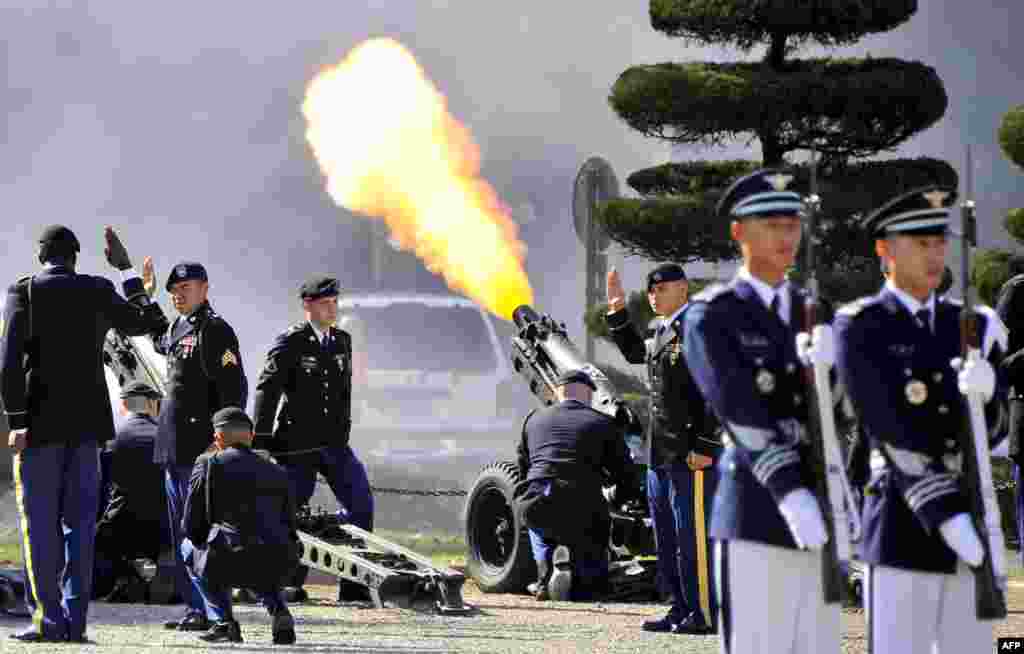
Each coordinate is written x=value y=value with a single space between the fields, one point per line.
x=284 y=628
x=225 y=631
x=560 y=582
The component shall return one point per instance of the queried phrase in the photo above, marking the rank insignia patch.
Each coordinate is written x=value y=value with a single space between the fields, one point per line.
x=229 y=359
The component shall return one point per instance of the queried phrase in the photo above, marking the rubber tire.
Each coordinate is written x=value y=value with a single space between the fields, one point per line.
x=497 y=564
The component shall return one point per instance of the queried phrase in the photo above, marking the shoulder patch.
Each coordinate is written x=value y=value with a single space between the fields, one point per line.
x=712 y=293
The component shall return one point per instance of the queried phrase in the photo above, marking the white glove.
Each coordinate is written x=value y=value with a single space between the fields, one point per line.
x=817 y=347
x=976 y=376
x=962 y=538
x=800 y=509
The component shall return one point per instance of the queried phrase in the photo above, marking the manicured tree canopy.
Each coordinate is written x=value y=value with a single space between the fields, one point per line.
x=1011 y=135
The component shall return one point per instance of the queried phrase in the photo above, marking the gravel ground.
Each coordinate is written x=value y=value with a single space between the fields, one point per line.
x=502 y=623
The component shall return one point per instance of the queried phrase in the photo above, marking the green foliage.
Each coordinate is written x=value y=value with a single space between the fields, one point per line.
x=844 y=107
x=989 y=271
x=668 y=229
x=745 y=23
x=689 y=177
x=1011 y=135
x=1014 y=224
x=639 y=308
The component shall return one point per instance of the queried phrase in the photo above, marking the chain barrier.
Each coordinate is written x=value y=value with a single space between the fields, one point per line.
x=450 y=492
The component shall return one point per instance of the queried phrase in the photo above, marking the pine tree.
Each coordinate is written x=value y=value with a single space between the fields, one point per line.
x=845 y=109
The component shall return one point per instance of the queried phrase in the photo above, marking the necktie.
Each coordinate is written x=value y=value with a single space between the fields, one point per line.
x=775 y=305
x=325 y=342
x=924 y=319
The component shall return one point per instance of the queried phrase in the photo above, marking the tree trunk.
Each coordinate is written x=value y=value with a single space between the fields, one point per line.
x=771 y=147
x=776 y=55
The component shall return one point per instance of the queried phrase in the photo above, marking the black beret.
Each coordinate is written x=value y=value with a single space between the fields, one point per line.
x=761 y=193
x=231 y=415
x=60 y=236
x=666 y=272
x=140 y=388
x=319 y=287
x=575 y=377
x=924 y=210
x=185 y=271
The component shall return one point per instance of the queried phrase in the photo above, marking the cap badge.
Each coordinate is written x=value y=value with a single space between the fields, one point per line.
x=935 y=198
x=181 y=270
x=779 y=181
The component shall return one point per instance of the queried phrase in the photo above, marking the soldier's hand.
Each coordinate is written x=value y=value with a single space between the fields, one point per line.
x=117 y=255
x=698 y=461
x=615 y=295
x=148 y=276
x=17 y=439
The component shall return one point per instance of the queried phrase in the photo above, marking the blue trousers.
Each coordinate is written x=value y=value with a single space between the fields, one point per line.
x=216 y=600
x=176 y=482
x=57 y=492
x=680 y=503
x=346 y=475
x=1019 y=494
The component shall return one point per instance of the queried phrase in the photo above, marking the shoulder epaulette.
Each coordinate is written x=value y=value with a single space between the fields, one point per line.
x=855 y=307
x=712 y=293
x=294 y=329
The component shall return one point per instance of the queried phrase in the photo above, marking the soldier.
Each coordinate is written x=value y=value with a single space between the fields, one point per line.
x=740 y=343
x=308 y=371
x=204 y=374
x=55 y=396
x=134 y=522
x=563 y=451
x=245 y=499
x=680 y=448
x=1010 y=307
x=896 y=353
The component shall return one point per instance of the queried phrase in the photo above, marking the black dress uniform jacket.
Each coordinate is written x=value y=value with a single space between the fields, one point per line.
x=680 y=419
x=743 y=357
x=253 y=497
x=316 y=385
x=204 y=375
x=905 y=393
x=1010 y=307
x=137 y=484
x=52 y=358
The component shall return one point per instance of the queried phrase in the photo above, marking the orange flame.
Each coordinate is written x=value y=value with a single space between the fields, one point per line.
x=388 y=147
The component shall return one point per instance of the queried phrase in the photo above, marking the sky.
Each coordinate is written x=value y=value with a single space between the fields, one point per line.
x=180 y=124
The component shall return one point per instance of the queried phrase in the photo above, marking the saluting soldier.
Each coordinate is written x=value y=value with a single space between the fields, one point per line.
x=740 y=341
x=55 y=396
x=897 y=354
x=204 y=375
x=680 y=446
x=308 y=372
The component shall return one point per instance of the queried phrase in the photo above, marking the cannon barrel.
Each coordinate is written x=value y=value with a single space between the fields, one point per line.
x=542 y=351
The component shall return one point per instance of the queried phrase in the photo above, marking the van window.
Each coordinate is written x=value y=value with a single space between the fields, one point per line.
x=415 y=336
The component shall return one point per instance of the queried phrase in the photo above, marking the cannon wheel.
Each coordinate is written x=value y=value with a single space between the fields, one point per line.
x=499 y=559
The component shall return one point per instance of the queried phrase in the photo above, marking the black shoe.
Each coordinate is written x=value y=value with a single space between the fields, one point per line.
x=663 y=625
x=33 y=636
x=284 y=628
x=539 y=591
x=226 y=631
x=693 y=626
x=295 y=594
x=191 y=622
x=560 y=582
x=243 y=596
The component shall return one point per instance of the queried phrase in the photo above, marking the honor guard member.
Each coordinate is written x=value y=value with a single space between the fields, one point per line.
x=895 y=354
x=204 y=375
x=55 y=395
x=1010 y=308
x=563 y=455
x=308 y=371
x=680 y=446
x=243 y=502
x=740 y=343
x=134 y=521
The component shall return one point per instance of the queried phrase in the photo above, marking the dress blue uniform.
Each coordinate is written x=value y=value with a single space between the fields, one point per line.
x=562 y=453
x=679 y=498
x=740 y=344
x=306 y=383
x=54 y=385
x=204 y=374
x=893 y=354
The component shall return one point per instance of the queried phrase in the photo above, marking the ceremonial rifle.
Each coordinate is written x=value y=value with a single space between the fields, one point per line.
x=832 y=488
x=976 y=476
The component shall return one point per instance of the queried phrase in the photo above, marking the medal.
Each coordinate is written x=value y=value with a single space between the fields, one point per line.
x=765 y=381
x=341 y=362
x=916 y=391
